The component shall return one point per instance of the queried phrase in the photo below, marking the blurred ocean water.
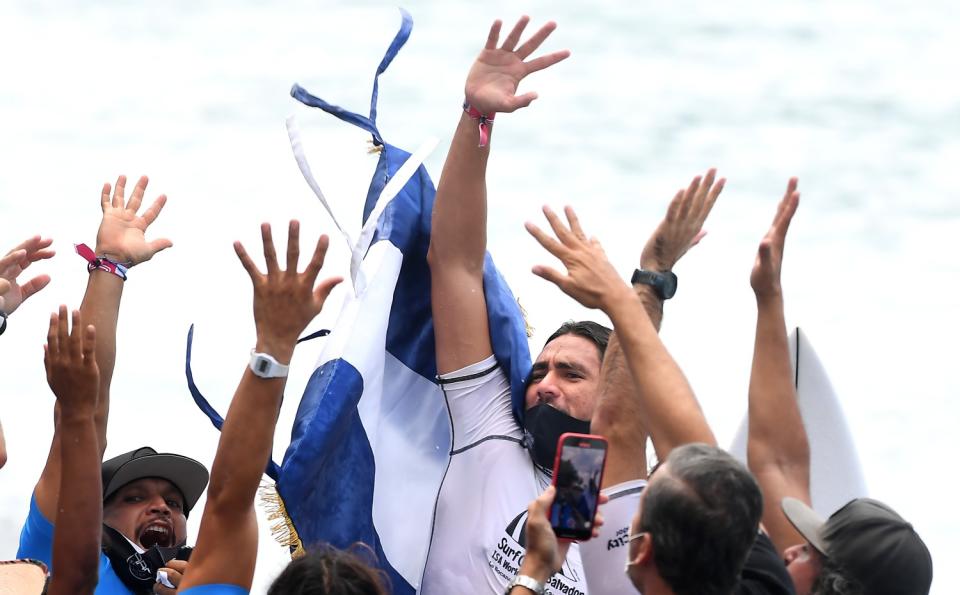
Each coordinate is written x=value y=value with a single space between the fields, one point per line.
x=859 y=99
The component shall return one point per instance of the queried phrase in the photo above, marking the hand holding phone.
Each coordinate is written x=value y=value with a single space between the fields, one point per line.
x=577 y=476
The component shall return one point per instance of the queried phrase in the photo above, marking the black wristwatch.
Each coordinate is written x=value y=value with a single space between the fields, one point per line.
x=3 y=321
x=663 y=282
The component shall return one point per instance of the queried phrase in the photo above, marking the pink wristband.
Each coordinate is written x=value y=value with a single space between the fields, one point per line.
x=102 y=262
x=485 y=122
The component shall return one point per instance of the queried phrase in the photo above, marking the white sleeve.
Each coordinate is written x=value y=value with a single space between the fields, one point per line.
x=604 y=557
x=478 y=399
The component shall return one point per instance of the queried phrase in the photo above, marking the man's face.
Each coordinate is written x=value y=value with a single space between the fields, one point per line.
x=566 y=376
x=148 y=512
x=804 y=564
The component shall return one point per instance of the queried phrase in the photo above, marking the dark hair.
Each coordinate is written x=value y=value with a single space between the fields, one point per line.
x=703 y=518
x=834 y=580
x=595 y=332
x=327 y=570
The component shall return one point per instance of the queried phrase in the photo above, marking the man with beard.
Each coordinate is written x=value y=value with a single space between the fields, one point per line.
x=147 y=496
x=577 y=384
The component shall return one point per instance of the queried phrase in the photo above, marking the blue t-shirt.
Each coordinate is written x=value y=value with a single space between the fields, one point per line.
x=215 y=590
x=36 y=541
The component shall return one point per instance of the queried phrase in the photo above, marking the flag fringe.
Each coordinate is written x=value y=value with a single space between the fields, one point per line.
x=281 y=525
x=526 y=321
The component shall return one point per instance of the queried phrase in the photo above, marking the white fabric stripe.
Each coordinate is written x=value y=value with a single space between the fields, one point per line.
x=296 y=143
x=390 y=191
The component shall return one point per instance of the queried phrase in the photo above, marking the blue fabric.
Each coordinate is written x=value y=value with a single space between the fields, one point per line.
x=36 y=542
x=215 y=590
x=327 y=475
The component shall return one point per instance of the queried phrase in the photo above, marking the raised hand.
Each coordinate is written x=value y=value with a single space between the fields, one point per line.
x=122 y=233
x=682 y=228
x=284 y=302
x=72 y=371
x=493 y=80
x=545 y=553
x=765 y=277
x=12 y=293
x=590 y=278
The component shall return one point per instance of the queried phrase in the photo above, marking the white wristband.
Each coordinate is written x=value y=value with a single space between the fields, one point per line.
x=265 y=366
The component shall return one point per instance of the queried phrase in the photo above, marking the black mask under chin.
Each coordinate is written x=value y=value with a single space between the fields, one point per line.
x=138 y=572
x=544 y=425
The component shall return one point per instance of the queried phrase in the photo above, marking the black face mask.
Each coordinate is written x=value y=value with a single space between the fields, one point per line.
x=544 y=425
x=138 y=572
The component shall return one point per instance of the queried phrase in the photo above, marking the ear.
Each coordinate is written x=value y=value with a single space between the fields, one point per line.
x=644 y=555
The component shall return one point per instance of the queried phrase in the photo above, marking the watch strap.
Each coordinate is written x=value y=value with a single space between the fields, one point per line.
x=265 y=365
x=522 y=580
x=663 y=282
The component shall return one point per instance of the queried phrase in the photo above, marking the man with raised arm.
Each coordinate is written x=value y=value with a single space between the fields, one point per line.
x=146 y=496
x=284 y=303
x=700 y=512
x=863 y=548
x=482 y=550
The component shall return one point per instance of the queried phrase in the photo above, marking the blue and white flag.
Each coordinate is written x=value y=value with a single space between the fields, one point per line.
x=371 y=439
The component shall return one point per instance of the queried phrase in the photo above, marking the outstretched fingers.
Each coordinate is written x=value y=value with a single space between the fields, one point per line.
x=118 y=190
x=549 y=244
x=534 y=42
x=247 y=262
x=319 y=256
x=563 y=234
x=76 y=338
x=550 y=274
x=150 y=215
x=33 y=286
x=269 y=250
x=546 y=61
x=513 y=38
x=322 y=291
x=137 y=197
x=494 y=36
x=293 y=247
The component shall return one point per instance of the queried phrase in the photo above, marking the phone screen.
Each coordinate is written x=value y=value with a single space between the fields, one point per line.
x=577 y=475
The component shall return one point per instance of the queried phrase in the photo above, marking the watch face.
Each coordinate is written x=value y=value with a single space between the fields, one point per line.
x=668 y=286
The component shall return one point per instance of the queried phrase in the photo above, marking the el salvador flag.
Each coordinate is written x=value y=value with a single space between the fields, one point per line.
x=371 y=440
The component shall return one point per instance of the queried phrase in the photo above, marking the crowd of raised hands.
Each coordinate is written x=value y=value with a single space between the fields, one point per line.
x=701 y=523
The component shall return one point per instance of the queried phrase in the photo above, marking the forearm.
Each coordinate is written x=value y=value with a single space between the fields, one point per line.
x=76 y=539
x=457 y=249
x=618 y=416
x=665 y=401
x=777 y=435
x=459 y=224
x=101 y=307
x=246 y=442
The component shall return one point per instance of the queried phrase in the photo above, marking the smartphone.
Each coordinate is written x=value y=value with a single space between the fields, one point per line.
x=577 y=475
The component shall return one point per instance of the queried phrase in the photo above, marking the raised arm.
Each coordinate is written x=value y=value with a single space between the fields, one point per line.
x=777 y=450
x=618 y=413
x=284 y=302
x=73 y=376
x=121 y=239
x=665 y=400
x=458 y=239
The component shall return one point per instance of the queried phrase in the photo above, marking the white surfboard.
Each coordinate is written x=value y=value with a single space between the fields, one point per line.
x=836 y=476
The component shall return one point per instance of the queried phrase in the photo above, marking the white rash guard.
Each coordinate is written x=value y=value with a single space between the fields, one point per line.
x=479 y=531
x=604 y=557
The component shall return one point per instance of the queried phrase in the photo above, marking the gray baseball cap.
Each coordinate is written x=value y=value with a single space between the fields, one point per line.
x=188 y=475
x=871 y=542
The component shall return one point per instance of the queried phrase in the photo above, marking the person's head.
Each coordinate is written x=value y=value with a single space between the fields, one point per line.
x=566 y=374
x=329 y=571
x=562 y=387
x=147 y=496
x=865 y=547
x=699 y=516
